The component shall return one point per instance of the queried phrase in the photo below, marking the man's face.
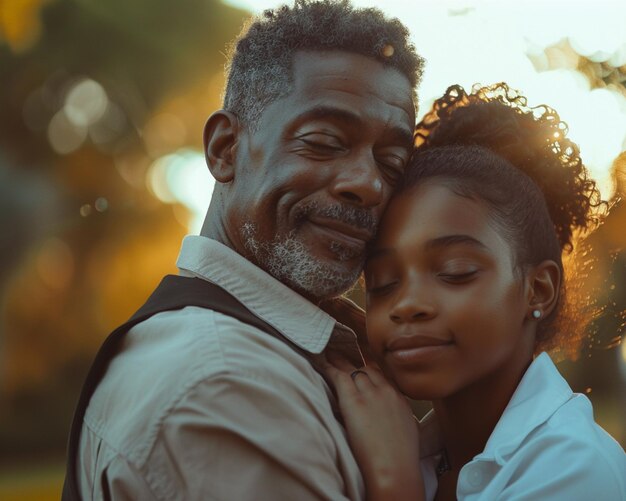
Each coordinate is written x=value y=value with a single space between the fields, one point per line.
x=312 y=180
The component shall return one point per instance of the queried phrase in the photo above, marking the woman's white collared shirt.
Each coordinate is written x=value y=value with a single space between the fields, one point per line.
x=546 y=446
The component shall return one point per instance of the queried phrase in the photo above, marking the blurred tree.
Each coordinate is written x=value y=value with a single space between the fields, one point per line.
x=20 y=24
x=599 y=366
x=598 y=369
x=601 y=69
x=91 y=93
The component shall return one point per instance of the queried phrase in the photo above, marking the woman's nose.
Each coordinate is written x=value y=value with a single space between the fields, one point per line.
x=413 y=306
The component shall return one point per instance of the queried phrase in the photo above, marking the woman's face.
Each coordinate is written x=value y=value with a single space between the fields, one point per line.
x=445 y=308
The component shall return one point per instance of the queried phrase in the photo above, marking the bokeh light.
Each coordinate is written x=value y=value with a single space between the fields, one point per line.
x=478 y=41
x=183 y=178
x=86 y=103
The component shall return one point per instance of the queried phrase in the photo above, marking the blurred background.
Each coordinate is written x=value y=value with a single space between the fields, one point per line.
x=101 y=174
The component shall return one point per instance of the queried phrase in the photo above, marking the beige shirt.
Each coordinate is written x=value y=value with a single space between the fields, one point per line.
x=201 y=406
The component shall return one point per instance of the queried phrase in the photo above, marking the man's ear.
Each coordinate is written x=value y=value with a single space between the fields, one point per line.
x=545 y=284
x=221 y=133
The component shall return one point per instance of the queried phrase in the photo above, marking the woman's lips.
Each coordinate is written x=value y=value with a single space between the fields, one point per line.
x=417 y=348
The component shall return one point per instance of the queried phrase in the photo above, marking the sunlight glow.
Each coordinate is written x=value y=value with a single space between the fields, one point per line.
x=464 y=42
x=183 y=178
x=474 y=41
x=622 y=355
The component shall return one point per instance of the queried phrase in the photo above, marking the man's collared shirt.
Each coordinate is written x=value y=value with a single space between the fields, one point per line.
x=546 y=445
x=199 y=405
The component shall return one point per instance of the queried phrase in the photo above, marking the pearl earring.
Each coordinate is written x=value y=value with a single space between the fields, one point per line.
x=536 y=314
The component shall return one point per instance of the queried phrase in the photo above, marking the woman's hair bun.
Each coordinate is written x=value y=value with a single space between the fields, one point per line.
x=534 y=140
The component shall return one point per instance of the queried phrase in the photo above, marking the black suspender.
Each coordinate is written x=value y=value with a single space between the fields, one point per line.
x=173 y=293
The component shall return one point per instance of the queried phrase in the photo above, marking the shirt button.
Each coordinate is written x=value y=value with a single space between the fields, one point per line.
x=475 y=477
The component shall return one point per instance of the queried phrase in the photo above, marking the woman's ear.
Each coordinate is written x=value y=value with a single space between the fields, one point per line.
x=544 y=286
x=221 y=133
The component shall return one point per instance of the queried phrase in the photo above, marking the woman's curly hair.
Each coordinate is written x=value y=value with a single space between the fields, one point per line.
x=489 y=144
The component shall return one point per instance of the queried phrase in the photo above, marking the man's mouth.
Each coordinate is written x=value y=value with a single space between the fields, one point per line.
x=343 y=232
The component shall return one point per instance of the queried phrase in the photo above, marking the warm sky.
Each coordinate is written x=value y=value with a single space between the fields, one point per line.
x=469 y=41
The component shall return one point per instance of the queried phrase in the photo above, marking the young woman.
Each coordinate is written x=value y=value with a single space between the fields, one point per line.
x=465 y=292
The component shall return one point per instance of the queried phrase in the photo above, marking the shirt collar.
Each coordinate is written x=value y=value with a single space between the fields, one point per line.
x=538 y=396
x=290 y=313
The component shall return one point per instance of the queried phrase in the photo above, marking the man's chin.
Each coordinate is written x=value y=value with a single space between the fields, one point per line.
x=323 y=288
x=319 y=279
x=316 y=273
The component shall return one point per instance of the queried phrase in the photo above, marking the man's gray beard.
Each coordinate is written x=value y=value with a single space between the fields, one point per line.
x=289 y=261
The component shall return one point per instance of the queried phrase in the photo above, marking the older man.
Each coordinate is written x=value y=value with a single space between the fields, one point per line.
x=200 y=400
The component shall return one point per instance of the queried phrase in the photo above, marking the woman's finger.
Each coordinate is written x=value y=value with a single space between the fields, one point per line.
x=334 y=374
x=362 y=380
x=375 y=375
x=340 y=362
x=345 y=387
x=349 y=385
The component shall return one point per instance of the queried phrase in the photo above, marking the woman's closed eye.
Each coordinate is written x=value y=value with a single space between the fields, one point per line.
x=458 y=275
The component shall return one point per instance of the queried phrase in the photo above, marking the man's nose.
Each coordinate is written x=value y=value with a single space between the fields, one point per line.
x=360 y=182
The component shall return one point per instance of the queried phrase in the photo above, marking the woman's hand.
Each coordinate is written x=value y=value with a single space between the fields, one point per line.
x=382 y=431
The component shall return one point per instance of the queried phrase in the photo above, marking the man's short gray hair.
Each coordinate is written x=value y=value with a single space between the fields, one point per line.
x=259 y=69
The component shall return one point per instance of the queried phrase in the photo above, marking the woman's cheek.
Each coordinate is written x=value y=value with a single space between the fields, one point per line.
x=468 y=319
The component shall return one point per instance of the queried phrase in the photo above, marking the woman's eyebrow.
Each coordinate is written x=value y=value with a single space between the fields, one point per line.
x=435 y=243
x=449 y=240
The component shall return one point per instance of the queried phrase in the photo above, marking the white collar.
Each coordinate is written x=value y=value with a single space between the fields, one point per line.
x=290 y=313
x=538 y=396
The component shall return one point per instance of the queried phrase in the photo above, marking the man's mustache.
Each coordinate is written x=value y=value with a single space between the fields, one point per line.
x=353 y=216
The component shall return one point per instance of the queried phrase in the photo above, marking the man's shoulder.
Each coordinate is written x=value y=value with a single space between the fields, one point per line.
x=203 y=343
x=193 y=395
x=174 y=350
x=178 y=356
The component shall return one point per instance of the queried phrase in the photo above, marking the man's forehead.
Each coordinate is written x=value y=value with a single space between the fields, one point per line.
x=352 y=74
